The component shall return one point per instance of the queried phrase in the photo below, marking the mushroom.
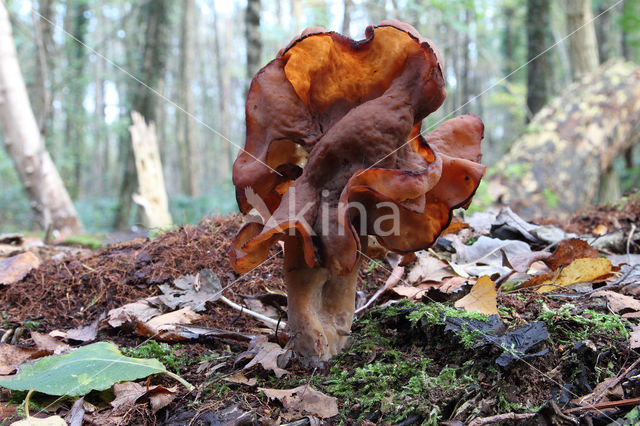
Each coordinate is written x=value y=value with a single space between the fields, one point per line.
x=334 y=153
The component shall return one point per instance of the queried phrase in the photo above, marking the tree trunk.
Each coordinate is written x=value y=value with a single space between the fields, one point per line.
x=539 y=69
x=254 y=40
x=43 y=37
x=49 y=198
x=557 y=165
x=187 y=138
x=607 y=31
x=155 y=18
x=583 y=46
x=465 y=74
x=152 y=196
x=223 y=80
x=346 y=17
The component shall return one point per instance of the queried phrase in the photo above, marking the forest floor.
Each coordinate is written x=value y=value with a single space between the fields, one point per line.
x=564 y=356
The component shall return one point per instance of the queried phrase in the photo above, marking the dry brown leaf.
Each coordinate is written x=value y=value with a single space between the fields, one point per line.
x=49 y=343
x=304 y=400
x=570 y=250
x=454 y=227
x=11 y=356
x=268 y=356
x=163 y=327
x=454 y=284
x=618 y=302
x=481 y=298
x=140 y=311
x=240 y=378
x=429 y=268
x=634 y=337
x=522 y=262
x=36 y=421
x=578 y=271
x=14 y=268
x=128 y=393
x=413 y=293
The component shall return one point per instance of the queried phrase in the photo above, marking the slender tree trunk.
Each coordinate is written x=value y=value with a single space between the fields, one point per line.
x=607 y=32
x=254 y=40
x=346 y=16
x=75 y=116
x=155 y=18
x=465 y=73
x=42 y=35
x=508 y=40
x=186 y=137
x=583 y=46
x=223 y=83
x=539 y=69
x=49 y=199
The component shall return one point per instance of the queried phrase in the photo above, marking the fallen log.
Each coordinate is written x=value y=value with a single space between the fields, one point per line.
x=561 y=161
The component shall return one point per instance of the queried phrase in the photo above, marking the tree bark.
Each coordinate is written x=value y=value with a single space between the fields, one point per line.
x=346 y=16
x=155 y=18
x=539 y=68
x=49 y=199
x=557 y=165
x=607 y=32
x=583 y=46
x=254 y=40
x=225 y=154
x=74 y=110
x=187 y=137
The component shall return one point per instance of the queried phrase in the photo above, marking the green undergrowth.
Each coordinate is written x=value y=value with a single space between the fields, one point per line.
x=168 y=355
x=567 y=325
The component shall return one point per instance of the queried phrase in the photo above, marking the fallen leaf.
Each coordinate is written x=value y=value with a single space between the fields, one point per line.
x=193 y=292
x=36 y=421
x=618 y=302
x=629 y=259
x=489 y=251
x=634 y=337
x=49 y=343
x=578 y=271
x=481 y=298
x=87 y=333
x=454 y=227
x=304 y=400
x=240 y=378
x=140 y=311
x=413 y=293
x=14 y=268
x=508 y=225
x=129 y=393
x=164 y=327
x=454 y=284
x=268 y=354
x=429 y=268
x=522 y=262
x=160 y=396
x=11 y=356
x=75 y=416
x=481 y=221
x=568 y=251
x=93 y=367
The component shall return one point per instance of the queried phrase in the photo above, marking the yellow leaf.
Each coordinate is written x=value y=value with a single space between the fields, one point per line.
x=481 y=298
x=578 y=271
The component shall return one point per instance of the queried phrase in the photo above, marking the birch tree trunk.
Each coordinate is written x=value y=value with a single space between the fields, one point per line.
x=49 y=199
x=186 y=137
x=254 y=40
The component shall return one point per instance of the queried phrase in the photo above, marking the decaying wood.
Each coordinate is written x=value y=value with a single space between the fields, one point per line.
x=558 y=163
x=48 y=197
x=152 y=193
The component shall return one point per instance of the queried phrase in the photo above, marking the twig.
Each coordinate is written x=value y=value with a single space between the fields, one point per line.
x=500 y=418
x=394 y=278
x=633 y=229
x=604 y=405
x=252 y=313
x=616 y=381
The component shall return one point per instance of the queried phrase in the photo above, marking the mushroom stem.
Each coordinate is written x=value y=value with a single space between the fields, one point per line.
x=321 y=305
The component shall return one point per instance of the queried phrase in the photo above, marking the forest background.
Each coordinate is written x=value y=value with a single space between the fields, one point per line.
x=84 y=62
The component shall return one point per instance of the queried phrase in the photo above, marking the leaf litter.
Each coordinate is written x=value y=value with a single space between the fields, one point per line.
x=133 y=272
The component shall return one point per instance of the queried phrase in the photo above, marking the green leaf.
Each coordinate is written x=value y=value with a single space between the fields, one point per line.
x=93 y=367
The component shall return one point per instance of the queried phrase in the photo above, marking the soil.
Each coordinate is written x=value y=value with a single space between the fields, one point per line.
x=77 y=291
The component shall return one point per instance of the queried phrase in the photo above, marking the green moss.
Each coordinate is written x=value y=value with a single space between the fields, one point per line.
x=92 y=241
x=551 y=198
x=570 y=327
x=163 y=352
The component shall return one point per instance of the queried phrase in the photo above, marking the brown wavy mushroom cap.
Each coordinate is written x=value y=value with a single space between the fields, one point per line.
x=338 y=121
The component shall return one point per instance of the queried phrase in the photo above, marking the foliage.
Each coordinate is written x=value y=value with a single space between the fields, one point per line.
x=571 y=326
x=93 y=367
x=163 y=352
